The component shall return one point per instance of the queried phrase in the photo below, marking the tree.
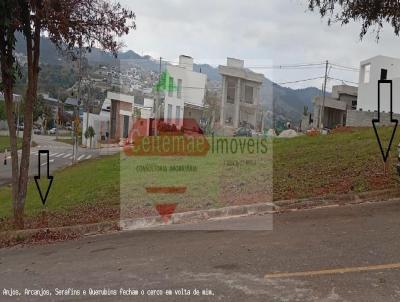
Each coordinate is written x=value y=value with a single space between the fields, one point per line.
x=69 y=24
x=90 y=133
x=212 y=112
x=371 y=13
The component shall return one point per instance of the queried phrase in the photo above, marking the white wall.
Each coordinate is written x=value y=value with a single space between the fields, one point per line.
x=193 y=90
x=94 y=121
x=148 y=103
x=368 y=92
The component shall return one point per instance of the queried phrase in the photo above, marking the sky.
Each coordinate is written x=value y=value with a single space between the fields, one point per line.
x=262 y=32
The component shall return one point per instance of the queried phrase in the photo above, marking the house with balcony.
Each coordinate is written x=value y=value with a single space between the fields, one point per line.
x=241 y=97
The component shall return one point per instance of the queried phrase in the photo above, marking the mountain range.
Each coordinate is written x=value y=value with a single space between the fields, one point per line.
x=288 y=103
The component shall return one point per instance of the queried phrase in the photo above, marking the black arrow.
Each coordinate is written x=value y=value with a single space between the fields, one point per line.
x=385 y=155
x=50 y=178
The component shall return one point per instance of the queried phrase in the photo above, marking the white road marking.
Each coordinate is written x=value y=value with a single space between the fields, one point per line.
x=335 y=271
x=89 y=157
x=61 y=154
x=82 y=156
x=66 y=156
x=54 y=154
x=50 y=161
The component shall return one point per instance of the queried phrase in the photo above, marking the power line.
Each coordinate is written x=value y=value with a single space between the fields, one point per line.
x=286 y=67
x=299 y=81
x=341 y=80
x=275 y=66
x=345 y=67
x=283 y=66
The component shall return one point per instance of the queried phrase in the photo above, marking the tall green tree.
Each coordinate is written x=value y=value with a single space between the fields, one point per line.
x=69 y=24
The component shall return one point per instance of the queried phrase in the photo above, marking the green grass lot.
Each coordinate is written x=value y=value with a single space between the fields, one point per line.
x=92 y=182
x=302 y=167
x=333 y=164
x=221 y=178
x=5 y=143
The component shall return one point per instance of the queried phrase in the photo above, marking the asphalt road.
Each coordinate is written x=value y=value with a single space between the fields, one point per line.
x=61 y=155
x=339 y=254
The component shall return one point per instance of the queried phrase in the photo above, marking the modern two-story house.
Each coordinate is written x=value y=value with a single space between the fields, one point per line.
x=241 y=97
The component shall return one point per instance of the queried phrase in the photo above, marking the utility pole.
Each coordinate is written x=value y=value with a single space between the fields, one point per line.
x=322 y=110
x=87 y=109
x=17 y=116
x=157 y=100
x=58 y=113
x=75 y=145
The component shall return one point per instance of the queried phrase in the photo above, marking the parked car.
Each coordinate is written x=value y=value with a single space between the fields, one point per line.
x=52 y=131
x=242 y=131
x=37 y=131
x=256 y=134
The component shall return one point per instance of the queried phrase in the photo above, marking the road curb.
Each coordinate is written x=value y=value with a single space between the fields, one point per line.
x=193 y=217
x=342 y=199
x=11 y=238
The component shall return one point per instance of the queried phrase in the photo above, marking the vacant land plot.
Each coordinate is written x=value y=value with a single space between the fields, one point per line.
x=302 y=167
x=336 y=163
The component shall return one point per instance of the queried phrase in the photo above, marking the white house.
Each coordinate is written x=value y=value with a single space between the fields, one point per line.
x=185 y=97
x=116 y=118
x=372 y=70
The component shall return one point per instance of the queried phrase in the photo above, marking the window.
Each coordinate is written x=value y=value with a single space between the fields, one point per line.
x=248 y=94
x=171 y=86
x=179 y=89
x=178 y=114
x=367 y=73
x=231 y=91
x=383 y=74
x=169 y=113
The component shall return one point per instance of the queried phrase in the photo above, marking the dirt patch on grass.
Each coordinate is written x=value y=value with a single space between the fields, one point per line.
x=40 y=237
x=83 y=214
